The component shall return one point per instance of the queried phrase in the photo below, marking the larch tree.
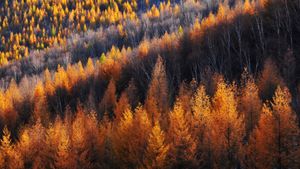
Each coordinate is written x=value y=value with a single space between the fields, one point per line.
x=64 y=157
x=106 y=144
x=157 y=149
x=254 y=153
x=182 y=152
x=39 y=149
x=249 y=102
x=52 y=134
x=121 y=106
x=24 y=145
x=132 y=94
x=40 y=103
x=108 y=102
x=11 y=158
x=269 y=80
x=80 y=145
x=92 y=127
x=226 y=127
x=186 y=93
x=13 y=93
x=89 y=69
x=141 y=129
x=13 y=99
x=157 y=100
x=49 y=86
x=5 y=105
x=121 y=139
x=201 y=110
x=277 y=136
x=61 y=79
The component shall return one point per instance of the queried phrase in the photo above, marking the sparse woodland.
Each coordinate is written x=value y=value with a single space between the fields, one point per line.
x=150 y=84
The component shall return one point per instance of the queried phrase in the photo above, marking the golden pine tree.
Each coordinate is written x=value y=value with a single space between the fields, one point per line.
x=10 y=156
x=121 y=139
x=64 y=158
x=182 y=144
x=254 y=154
x=249 y=103
x=277 y=134
x=269 y=80
x=40 y=101
x=80 y=144
x=157 y=149
x=108 y=102
x=141 y=129
x=201 y=119
x=121 y=106
x=49 y=87
x=226 y=127
x=157 y=100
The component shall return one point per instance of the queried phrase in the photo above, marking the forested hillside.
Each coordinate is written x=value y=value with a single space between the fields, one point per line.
x=150 y=84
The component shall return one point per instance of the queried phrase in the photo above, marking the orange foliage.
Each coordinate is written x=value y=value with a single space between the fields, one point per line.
x=157 y=149
x=121 y=106
x=157 y=100
x=108 y=102
x=250 y=103
x=276 y=132
x=226 y=127
x=183 y=145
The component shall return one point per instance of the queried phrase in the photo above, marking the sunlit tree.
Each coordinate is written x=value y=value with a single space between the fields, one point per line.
x=10 y=156
x=226 y=127
x=182 y=143
x=157 y=149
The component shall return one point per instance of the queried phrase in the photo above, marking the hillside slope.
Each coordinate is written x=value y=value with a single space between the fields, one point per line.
x=204 y=88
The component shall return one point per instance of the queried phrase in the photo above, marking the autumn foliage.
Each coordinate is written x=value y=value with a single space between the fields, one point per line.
x=159 y=104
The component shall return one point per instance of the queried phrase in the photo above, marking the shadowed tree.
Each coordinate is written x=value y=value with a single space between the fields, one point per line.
x=108 y=102
x=269 y=80
x=274 y=143
x=249 y=102
x=157 y=101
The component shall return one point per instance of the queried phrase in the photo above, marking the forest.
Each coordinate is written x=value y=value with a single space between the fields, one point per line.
x=150 y=84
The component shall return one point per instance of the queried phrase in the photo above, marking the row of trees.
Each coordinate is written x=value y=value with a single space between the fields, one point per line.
x=233 y=128
x=69 y=84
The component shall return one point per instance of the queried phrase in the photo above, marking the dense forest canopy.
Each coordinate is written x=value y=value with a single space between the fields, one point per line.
x=150 y=84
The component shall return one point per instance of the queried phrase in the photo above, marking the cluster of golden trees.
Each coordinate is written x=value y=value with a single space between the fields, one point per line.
x=225 y=14
x=31 y=24
x=109 y=65
x=206 y=122
x=231 y=128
